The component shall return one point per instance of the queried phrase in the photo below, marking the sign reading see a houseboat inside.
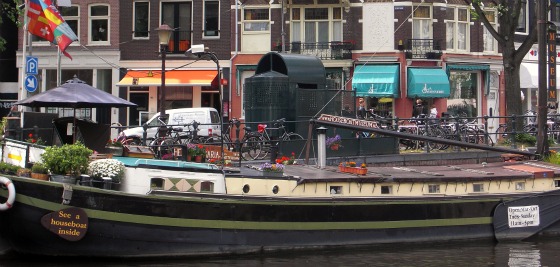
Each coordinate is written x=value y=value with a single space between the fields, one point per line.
x=348 y=121
x=70 y=224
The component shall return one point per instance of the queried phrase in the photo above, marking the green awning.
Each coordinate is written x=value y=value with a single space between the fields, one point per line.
x=376 y=80
x=427 y=83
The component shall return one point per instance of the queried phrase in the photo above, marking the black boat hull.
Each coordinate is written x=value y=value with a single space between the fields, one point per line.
x=125 y=225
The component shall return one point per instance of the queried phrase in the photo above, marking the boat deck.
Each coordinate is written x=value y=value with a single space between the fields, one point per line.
x=444 y=173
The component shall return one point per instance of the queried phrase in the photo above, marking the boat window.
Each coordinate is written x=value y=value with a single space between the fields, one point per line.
x=336 y=190
x=478 y=188
x=556 y=183
x=520 y=186
x=386 y=189
x=246 y=189
x=156 y=183
x=207 y=187
x=433 y=189
x=275 y=189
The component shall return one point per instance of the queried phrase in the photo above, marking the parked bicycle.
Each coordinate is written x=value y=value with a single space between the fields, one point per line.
x=250 y=144
x=267 y=141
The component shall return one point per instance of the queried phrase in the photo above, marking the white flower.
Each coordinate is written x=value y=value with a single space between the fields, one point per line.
x=106 y=168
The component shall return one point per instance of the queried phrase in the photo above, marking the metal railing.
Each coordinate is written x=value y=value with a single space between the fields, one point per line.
x=322 y=50
x=423 y=49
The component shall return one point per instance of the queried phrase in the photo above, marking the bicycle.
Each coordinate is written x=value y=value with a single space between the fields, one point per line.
x=267 y=142
x=250 y=144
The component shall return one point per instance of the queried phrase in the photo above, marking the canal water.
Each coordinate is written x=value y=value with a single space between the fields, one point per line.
x=472 y=254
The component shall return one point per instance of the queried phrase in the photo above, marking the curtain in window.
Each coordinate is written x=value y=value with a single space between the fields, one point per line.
x=462 y=36
x=450 y=35
x=296 y=31
x=310 y=32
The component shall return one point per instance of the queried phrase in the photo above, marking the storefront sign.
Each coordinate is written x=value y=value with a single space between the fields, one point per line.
x=70 y=224
x=552 y=66
x=348 y=121
x=523 y=216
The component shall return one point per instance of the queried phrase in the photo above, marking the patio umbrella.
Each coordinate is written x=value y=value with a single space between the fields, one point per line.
x=75 y=93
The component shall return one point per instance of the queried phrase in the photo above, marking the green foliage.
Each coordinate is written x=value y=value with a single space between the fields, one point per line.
x=553 y=157
x=39 y=167
x=11 y=10
x=8 y=168
x=69 y=159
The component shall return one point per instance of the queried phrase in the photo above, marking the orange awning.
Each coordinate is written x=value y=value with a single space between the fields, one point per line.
x=172 y=78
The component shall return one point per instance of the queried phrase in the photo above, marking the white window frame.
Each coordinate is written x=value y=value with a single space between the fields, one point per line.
x=247 y=22
x=434 y=189
x=134 y=20
x=525 y=10
x=484 y=30
x=428 y=20
x=389 y=189
x=520 y=186
x=204 y=36
x=302 y=21
x=456 y=24
x=479 y=186
x=92 y=18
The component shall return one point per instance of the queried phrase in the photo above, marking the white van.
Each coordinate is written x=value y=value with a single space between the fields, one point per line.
x=207 y=118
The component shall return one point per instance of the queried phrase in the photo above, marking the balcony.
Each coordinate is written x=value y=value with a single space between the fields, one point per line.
x=322 y=50
x=423 y=49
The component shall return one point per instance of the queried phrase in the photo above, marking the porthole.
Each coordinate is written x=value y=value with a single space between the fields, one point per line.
x=246 y=189
x=275 y=189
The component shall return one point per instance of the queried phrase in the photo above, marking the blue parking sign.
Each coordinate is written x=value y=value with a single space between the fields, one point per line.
x=32 y=66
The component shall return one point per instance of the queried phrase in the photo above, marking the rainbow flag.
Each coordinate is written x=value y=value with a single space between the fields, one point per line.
x=46 y=22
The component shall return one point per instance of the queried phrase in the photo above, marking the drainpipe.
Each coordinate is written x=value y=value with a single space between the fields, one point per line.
x=321 y=147
x=231 y=66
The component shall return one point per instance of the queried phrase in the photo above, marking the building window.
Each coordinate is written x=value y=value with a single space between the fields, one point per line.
x=336 y=190
x=99 y=24
x=386 y=189
x=255 y=20
x=422 y=22
x=211 y=18
x=478 y=188
x=457 y=25
x=490 y=44
x=434 y=189
x=141 y=19
x=522 y=22
x=316 y=25
x=520 y=186
x=71 y=15
x=178 y=15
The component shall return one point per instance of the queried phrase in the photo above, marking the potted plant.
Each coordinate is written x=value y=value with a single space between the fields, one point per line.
x=66 y=162
x=39 y=171
x=102 y=169
x=115 y=147
x=191 y=151
x=200 y=153
x=334 y=142
x=274 y=170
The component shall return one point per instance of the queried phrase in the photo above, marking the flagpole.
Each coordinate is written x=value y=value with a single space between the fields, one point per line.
x=58 y=74
x=24 y=51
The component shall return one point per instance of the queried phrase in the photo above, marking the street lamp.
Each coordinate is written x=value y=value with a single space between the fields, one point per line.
x=164 y=33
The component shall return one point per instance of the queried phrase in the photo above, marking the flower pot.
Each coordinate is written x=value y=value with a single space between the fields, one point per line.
x=189 y=157
x=198 y=158
x=272 y=174
x=40 y=176
x=116 y=151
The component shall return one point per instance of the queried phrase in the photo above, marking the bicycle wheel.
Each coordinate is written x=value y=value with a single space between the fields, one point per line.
x=292 y=137
x=251 y=148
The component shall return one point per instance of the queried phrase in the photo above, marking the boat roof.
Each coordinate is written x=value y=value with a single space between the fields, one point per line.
x=140 y=162
x=402 y=174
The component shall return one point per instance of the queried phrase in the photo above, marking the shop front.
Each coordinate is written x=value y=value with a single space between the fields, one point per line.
x=184 y=89
x=429 y=85
x=378 y=85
